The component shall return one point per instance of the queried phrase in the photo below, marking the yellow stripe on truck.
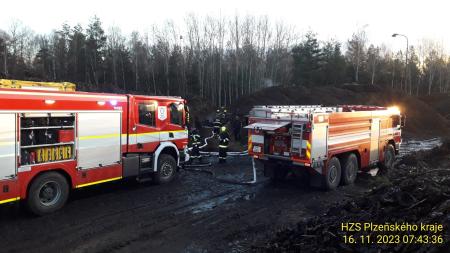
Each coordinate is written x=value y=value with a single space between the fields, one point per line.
x=105 y=136
x=9 y=200
x=308 y=145
x=98 y=182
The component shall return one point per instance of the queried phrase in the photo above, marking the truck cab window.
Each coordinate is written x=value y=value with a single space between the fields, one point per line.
x=176 y=114
x=147 y=114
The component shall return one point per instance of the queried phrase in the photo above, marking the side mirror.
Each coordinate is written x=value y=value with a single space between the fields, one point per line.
x=402 y=121
x=187 y=116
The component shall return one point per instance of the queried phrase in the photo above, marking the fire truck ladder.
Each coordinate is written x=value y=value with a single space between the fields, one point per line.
x=53 y=86
x=296 y=138
x=291 y=112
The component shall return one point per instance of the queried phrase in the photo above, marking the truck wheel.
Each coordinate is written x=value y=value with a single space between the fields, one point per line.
x=389 y=157
x=167 y=169
x=333 y=174
x=350 y=169
x=48 y=193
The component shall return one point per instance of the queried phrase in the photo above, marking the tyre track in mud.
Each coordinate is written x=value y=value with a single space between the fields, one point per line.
x=196 y=213
x=92 y=224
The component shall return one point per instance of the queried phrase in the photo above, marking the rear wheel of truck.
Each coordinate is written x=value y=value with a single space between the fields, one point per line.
x=48 y=193
x=332 y=176
x=389 y=157
x=350 y=169
x=167 y=169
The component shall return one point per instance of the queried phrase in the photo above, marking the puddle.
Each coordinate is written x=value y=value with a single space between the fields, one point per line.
x=410 y=146
x=215 y=202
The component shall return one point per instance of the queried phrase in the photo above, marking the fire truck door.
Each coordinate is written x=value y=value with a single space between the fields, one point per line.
x=7 y=145
x=374 y=140
x=147 y=134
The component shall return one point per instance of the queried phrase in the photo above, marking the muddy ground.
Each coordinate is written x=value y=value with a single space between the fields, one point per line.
x=195 y=213
x=417 y=192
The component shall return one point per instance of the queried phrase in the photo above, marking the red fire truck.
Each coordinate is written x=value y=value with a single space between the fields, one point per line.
x=331 y=143
x=54 y=141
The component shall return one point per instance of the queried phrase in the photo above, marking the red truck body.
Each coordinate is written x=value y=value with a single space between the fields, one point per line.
x=113 y=136
x=308 y=137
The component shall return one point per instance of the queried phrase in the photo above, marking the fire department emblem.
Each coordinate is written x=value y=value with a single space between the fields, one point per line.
x=162 y=113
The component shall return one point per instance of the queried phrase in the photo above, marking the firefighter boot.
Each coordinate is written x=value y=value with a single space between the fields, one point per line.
x=223 y=153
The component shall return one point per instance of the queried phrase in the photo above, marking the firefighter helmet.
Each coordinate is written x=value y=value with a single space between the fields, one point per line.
x=223 y=129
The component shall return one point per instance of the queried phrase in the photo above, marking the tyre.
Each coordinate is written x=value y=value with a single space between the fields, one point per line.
x=167 y=169
x=389 y=157
x=332 y=176
x=47 y=193
x=350 y=169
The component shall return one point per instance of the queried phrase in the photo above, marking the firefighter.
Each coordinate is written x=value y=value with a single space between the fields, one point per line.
x=223 y=116
x=224 y=139
x=196 y=143
x=217 y=124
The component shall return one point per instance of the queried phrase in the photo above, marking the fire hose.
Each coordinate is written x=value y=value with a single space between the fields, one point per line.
x=222 y=180
x=234 y=153
x=205 y=143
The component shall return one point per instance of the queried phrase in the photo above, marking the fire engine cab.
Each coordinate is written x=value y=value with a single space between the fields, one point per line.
x=330 y=143
x=52 y=141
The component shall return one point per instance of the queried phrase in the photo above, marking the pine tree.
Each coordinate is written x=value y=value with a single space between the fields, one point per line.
x=307 y=58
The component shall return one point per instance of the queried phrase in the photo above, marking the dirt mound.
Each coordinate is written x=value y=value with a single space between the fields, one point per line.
x=440 y=102
x=422 y=119
x=416 y=192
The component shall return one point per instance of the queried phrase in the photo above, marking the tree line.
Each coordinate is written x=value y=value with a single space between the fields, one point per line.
x=215 y=58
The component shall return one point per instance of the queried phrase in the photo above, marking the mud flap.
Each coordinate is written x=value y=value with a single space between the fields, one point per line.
x=316 y=178
x=130 y=166
x=316 y=181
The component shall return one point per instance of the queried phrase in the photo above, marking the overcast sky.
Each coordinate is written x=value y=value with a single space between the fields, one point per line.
x=330 y=19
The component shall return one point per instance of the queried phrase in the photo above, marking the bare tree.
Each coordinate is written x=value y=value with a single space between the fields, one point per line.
x=356 y=47
x=373 y=57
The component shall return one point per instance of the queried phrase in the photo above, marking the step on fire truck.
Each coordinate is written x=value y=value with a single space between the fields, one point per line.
x=330 y=143
x=53 y=139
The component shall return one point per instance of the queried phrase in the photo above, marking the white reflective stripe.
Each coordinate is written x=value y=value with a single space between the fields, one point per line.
x=347 y=146
x=145 y=137
x=350 y=125
x=24 y=168
x=387 y=131
x=348 y=138
x=155 y=136
x=164 y=136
